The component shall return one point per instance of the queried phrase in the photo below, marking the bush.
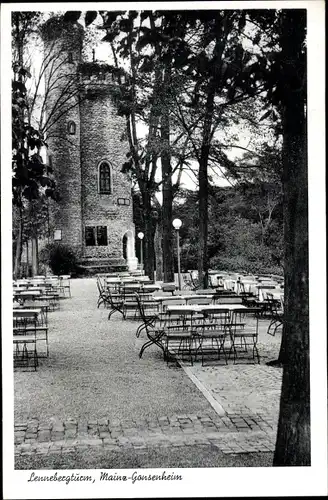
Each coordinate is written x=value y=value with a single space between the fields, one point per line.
x=60 y=258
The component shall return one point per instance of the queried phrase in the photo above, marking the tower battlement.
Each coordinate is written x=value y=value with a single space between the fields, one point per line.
x=99 y=74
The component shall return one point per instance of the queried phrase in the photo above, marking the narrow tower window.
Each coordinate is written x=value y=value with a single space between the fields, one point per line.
x=70 y=57
x=71 y=128
x=104 y=178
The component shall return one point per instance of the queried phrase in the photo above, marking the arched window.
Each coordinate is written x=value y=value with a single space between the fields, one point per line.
x=104 y=178
x=71 y=128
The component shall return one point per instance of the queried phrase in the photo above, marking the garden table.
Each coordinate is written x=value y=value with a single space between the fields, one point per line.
x=150 y=288
x=262 y=291
x=28 y=328
x=156 y=336
x=203 y=308
x=21 y=312
x=27 y=294
x=160 y=299
x=35 y=305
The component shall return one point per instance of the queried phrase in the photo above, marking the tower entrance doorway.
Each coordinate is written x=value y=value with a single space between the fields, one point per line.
x=128 y=250
x=125 y=243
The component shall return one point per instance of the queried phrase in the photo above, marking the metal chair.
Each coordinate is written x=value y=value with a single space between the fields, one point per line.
x=178 y=335
x=148 y=312
x=116 y=303
x=277 y=314
x=152 y=326
x=212 y=334
x=103 y=295
x=243 y=329
x=24 y=344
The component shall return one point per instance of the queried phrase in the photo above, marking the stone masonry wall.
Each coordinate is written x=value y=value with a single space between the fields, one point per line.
x=101 y=130
x=64 y=148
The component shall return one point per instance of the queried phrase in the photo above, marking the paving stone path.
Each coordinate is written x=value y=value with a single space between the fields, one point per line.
x=232 y=433
x=244 y=398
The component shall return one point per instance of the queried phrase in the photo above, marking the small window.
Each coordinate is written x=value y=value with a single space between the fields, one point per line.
x=70 y=57
x=104 y=178
x=123 y=201
x=90 y=240
x=71 y=128
x=96 y=236
x=102 y=235
x=57 y=235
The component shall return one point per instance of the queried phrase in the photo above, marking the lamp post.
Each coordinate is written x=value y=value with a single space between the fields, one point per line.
x=177 y=224
x=141 y=237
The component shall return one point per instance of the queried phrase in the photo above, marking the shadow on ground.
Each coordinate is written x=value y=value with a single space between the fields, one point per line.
x=191 y=456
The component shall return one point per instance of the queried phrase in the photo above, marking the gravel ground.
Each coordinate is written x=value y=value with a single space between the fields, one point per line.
x=94 y=370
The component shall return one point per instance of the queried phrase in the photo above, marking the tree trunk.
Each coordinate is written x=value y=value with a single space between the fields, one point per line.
x=167 y=192
x=19 y=246
x=159 y=250
x=149 y=254
x=203 y=188
x=293 y=439
x=35 y=266
x=27 y=259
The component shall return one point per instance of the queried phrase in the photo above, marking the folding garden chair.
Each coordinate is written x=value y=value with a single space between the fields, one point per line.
x=277 y=314
x=212 y=334
x=24 y=344
x=116 y=303
x=243 y=329
x=178 y=335
x=148 y=313
x=103 y=297
x=152 y=325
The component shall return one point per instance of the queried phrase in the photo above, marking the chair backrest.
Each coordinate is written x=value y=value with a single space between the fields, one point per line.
x=168 y=287
x=176 y=302
x=100 y=286
x=221 y=316
x=230 y=300
x=183 y=292
x=250 y=319
x=160 y=293
x=21 y=323
x=144 y=318
x=200 y=300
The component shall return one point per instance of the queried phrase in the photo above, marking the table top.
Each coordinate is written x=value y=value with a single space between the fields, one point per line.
x=180 y=297
x=201 y=308
x=151 y=287
x=21 y=312
x=27 y=293
x=31 y=305
x=277 y=294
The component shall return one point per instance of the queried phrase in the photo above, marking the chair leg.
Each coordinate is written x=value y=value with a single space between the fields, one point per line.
x=272 y=322
x=255 y=351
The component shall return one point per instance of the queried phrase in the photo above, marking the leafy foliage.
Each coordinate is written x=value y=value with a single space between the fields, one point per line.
x=235 y=236
x=30 y=175
x=60 y=258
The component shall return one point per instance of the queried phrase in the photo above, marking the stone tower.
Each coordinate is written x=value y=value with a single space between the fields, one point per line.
x=85 y=149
